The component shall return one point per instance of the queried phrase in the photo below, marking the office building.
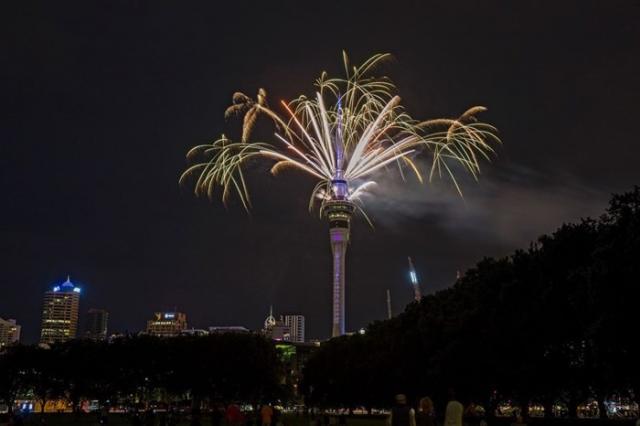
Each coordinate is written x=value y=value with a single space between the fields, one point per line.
x=96 y=323
x=276 y=329
x=9 y=332
x=296 y=327
x=60 y=313
x=167 y=324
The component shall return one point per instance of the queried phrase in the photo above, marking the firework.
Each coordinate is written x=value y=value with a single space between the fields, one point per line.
x=351 y=131
x=351 y=128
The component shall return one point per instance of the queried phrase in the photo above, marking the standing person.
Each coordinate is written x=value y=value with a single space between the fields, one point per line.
x=172 y=418
x=195 y=418
x=266 y=415
x=401 y=413
x=217 y=414
x=234 y=415
x=149 y=417
x=426 y=414
x=325 y=419
x=519 y=421
x=104 y=415
x=454 y=411
x=276 y=420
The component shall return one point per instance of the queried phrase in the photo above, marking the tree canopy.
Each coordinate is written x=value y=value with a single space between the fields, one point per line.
x=226 y=367
x=556 y=320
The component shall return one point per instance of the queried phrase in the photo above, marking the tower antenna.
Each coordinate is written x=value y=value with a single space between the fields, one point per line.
x=417 y=294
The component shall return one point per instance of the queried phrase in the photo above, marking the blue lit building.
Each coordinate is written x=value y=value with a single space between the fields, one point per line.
x=60 y=313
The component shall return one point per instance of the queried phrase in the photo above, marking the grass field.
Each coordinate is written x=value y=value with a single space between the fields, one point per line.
x=290 y=420
x=125 y=420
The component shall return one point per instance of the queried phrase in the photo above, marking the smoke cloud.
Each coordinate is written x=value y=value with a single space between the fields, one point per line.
x=512 y=206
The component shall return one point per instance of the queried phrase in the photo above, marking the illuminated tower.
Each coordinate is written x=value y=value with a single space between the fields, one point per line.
x=417 y=294
x=60 y=313
x=271 y=320
x=338 y=211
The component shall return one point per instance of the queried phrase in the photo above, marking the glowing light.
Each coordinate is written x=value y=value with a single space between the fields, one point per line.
x=56 y=288
x=414 y=278
x=77 y=290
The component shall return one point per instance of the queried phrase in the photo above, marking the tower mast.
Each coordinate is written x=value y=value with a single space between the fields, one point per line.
x=389 y=314
x=417 y=294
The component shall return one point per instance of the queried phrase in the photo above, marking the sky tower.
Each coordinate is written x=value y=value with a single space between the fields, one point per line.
x=417 y=294
x=338 y=209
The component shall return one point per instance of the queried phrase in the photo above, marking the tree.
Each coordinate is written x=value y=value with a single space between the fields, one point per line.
x=554 y=319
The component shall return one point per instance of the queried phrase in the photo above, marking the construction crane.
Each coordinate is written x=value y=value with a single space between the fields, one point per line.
x=417 y=294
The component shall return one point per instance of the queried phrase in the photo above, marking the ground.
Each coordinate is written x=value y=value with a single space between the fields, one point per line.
x=123 y=420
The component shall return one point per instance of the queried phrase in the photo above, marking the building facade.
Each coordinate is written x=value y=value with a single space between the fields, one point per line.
x=60 y=313
x=279 y=332
x=96 y=324
x=9 y=332
x=167 y=324
x=276 y=329
x=296 y=327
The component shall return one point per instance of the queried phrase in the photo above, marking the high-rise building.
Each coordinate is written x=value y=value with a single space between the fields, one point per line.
x=9 y=332
x=96 y=323
x=167 y=324
x=60 y=313
x=296 y=327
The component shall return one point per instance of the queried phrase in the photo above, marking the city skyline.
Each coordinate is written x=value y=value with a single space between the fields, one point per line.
x=98 y=119
x=92 y=323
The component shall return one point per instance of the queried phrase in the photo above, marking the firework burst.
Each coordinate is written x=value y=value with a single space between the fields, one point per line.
x=351 y=129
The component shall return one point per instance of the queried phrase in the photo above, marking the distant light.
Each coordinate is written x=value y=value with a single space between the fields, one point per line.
x=414 y=278
x=76 y=289
x=169 y=315
x=362 y=331
x=56 y=288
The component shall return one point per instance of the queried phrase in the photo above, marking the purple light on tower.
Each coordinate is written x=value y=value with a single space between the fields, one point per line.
x=338 y=210
x=339 y=213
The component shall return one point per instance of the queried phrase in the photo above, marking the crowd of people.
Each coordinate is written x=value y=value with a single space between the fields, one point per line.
x=403 y=414
x=231 y=415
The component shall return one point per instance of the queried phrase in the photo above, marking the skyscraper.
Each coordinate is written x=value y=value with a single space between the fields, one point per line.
x=296 y=327
x=96 y=322
x=167 y=324
x=60 y=313
x=9 y=332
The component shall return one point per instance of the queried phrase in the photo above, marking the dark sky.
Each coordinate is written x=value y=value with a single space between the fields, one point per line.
x=101 y=100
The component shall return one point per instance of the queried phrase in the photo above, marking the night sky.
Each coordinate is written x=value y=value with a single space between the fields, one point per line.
x=102 y=99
